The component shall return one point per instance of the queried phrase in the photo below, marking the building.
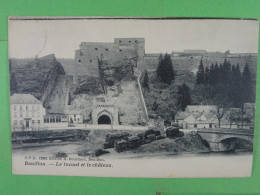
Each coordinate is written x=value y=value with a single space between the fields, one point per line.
x=197 y=117
x=75 y=118
x=27 y=112
x=55 y=120
x=199 y=121
x=122 y=49
x=104 y=112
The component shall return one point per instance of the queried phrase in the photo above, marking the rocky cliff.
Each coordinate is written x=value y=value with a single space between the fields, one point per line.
x=36 y=76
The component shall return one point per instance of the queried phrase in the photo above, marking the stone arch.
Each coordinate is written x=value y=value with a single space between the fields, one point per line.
x=247 y=138
x=104 y=117
x=228 y=142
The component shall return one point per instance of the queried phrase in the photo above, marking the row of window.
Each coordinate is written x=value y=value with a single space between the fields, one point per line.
x=52 y=119
x=27 y=114
x=128 y=41
x=21 y=122
x=195 y=126
x=34 y=107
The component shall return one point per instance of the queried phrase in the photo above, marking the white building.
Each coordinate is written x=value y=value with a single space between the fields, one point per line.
x=27 y=112
x=197 y=117
x=199 y=122
x=75 y=118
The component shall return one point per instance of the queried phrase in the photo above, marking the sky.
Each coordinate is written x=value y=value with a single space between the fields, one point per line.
x=30 y=38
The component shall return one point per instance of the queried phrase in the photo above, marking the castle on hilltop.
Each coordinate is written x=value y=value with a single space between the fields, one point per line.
x=123 y=49
x=131 y=52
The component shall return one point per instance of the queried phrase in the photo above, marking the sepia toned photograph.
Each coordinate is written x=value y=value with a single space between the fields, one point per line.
x=132 y=97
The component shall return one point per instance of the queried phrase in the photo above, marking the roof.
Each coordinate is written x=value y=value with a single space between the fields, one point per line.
x=200 y=108
x=24 y=99
x=181 y=115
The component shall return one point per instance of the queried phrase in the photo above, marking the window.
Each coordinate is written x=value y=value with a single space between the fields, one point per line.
x=21 y=114
x=106 y=49
x=79 y=61
x=120 y=41
x=81 y=53
x=52 y=119
x=90 y=60
x=210 y=125
x=58 y=119
x=96 y=49
x=39 y=122
x=33 y=122
x=195 y=125
x=74 y=115
x=21 y=122
x=14 y=107
x=120 y=50
x=129 y=41
x=74 y=119
x=26 y=107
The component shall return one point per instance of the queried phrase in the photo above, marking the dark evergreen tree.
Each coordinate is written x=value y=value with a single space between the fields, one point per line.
x=155 y=106
x=13 y=83
x=159 y=67
x=165 y=69
x=216 y=74
x=206 y=75
x=200 y=73
x=247 y=87
x=184 y=96
x=145 y=82
x=211 y=75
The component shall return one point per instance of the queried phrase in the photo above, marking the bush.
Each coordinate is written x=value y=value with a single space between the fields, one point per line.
x=151 y=131
x=172 y=132
x=83 y=153
x=99 y=152
x=61 y=155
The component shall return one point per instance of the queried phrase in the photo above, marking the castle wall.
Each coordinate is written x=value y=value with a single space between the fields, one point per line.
x=119 y=52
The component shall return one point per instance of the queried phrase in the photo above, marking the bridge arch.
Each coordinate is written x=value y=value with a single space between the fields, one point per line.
x=243 y=137
x=232 y=142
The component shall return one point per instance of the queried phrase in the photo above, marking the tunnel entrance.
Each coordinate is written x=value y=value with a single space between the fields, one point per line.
x=104 y=119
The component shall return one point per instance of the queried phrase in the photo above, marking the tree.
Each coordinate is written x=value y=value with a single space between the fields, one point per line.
x=247 y=87
x=206 y=75
x=221 y=101
x=165 y=69
x=200 y=73
x=184 y=97
x=145 y=82
x=155 y=106
x=13 y=83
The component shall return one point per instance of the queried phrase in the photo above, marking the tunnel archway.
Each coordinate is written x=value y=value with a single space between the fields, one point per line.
x=104 y=119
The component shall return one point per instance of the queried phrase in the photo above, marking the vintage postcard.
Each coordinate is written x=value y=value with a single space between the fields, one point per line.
x=132 y=97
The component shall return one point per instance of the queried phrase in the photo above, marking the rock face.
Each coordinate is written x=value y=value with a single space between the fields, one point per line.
x=37 y=77
x=191 y=142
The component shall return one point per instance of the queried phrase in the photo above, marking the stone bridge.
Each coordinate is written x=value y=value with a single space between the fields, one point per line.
x=224 y=139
